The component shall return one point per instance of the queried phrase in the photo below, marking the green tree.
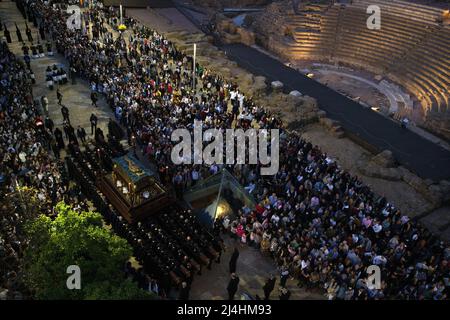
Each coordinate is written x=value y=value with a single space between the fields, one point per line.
x=80 y=239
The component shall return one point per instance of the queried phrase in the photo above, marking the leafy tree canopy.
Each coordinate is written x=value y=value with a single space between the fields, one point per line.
x=79 y=239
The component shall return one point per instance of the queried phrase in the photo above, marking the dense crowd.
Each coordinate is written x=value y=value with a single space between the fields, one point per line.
x=148 y=84
x=30 y=148
x=176 y=256
x=25 y=143
x=322 y=226
x=325 y=228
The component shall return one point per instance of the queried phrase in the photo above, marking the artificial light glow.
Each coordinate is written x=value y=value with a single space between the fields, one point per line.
x=221 y=210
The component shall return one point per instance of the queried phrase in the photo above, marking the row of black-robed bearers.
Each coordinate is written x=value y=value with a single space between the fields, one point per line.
x=172 y=245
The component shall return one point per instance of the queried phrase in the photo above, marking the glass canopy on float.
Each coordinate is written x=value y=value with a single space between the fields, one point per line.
x=218 y=196
x=133 y=189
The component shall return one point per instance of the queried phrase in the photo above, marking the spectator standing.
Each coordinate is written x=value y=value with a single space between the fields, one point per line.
x=233 y=286
x=233 y=260
x=93 y=120
x=269 y=286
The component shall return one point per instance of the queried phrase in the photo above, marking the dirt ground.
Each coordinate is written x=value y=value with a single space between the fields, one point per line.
x=163 y=20
x=354 y=89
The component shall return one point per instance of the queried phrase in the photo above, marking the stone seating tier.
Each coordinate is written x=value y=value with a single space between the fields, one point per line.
x=411 y=49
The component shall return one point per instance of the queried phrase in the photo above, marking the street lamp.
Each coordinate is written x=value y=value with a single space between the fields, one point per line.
x=194 y=67
x=121 y=27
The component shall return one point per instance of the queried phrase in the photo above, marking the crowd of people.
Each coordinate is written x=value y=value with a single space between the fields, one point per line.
x=25 y=143
x=323 y=226
x=30 y=146
x=173 y=259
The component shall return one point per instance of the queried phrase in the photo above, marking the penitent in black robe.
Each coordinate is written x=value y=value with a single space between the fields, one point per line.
x=19 y=34
x=7 y=35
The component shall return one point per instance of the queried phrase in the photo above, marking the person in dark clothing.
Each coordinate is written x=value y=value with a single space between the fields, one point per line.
x=27 y=60
x=28 y=33
x=59 y=96
x=34 y=51
x=268 y=287
x=49 y=124
x=81 y=134
x=285 y=294
x=7 y=34
x=115 y=130
x=42 y=32
x=284 y=276
x=55 y=148
x=40 y=49
x=232 y=286
x=72 y=137
x=35 y=24
x=29 y=15
x=221 y=248
x=65 y=113
x=94 y=98
x=99 y=136
x=25 y=49
x=177 y=180
x=233 y=260
x=93 y=119
x=66 y=129
x=59 y=138
x=73 y=147
x=73 y=74
x=184 y=291
x=49 y=48
x=18 y=33
x=235 y=108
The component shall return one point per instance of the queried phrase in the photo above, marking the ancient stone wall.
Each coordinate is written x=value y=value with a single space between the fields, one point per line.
x=384 y=166
x=230 y=33
x=438 y=123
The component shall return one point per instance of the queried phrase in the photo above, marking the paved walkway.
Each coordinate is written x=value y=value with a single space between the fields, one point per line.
x=418 y=154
